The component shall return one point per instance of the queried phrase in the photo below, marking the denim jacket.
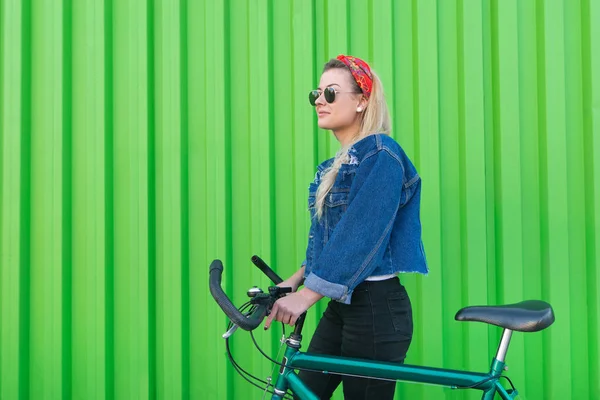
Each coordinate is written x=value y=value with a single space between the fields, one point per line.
x=370 y=223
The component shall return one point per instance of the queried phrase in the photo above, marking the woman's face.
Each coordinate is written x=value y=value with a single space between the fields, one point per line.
x=342 y=113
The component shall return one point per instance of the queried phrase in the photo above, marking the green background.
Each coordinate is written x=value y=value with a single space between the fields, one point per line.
x=139 y=140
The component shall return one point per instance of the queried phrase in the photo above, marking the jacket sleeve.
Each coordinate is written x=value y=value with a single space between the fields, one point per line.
x=360 y=238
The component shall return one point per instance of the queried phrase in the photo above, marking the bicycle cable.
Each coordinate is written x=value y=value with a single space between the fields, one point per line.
x=354 y=375
x=363 y=376
x=509 y=381
x=245 y=374
x=478 y=383
x=274 y=370
x=241 y=371
x=316 y=370
x=287 y=396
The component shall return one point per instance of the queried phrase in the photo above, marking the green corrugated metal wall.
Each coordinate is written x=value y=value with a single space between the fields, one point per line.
x=141 y=139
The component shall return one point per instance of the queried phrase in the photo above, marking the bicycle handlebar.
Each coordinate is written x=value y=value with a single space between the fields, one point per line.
x=256 y=260
x=246 y=323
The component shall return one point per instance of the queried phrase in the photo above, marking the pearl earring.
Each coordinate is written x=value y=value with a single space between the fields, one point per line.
x=359 y=109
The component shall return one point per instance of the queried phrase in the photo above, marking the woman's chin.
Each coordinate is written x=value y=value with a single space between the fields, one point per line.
x=323 y=125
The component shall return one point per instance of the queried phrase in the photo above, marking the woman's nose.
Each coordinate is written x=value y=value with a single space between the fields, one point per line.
x=320 y=99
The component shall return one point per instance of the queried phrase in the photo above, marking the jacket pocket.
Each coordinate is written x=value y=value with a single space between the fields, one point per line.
x=336 y=203
x=336 y=198
x=345 y=176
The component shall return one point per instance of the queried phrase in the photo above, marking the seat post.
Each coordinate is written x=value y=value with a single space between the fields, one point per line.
x=503 y=347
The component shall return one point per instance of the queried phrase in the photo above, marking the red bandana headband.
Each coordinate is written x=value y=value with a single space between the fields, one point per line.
x=360 y=71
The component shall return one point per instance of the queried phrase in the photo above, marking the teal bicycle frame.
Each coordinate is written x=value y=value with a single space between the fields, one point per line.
x=295 y=359
x=527 y=316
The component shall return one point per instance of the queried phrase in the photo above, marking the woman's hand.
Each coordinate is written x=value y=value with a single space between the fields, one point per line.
x=291 y=282
x=289 y=308
x=294 y=280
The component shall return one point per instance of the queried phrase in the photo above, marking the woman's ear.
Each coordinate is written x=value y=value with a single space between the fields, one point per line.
x=362 y=104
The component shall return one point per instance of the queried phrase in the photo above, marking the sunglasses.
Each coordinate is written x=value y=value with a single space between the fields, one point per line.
x=329 y=93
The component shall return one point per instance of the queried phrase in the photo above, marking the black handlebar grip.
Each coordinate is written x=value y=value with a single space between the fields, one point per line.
x=247 y=324
x=266 y=270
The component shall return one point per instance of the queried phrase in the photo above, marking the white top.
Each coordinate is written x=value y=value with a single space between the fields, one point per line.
x=380 y=277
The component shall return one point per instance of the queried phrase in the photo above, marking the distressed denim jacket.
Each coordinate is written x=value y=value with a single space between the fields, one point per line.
x=370 y=224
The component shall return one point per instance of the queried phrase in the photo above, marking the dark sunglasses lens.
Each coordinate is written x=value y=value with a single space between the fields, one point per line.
x=329 y=94
x=313 y=96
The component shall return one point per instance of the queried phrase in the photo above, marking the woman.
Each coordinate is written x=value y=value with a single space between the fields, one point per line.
x=364 y=205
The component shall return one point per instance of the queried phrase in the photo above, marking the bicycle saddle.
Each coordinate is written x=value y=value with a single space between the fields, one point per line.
x=526 y=316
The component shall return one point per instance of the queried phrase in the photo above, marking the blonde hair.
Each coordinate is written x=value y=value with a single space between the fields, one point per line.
x=375 y=119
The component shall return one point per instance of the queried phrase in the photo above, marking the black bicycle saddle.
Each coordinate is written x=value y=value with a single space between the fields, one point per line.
x=526 y=316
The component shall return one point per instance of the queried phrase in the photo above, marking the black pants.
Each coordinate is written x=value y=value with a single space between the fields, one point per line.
x=377 y=325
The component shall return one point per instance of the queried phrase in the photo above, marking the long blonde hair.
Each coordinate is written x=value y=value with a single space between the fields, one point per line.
x=375 y=119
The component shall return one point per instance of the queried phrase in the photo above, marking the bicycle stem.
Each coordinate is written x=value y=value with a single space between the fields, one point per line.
x=296 y=337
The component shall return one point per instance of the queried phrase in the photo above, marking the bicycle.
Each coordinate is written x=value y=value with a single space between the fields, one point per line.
x=526 y=316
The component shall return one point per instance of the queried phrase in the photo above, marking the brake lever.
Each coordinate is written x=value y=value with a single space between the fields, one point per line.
x=278 y=291
x=233 y=328
x=258 y=297
x=230 y=332
x=268 y=299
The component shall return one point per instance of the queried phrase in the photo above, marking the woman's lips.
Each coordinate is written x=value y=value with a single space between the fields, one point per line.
x=322 y=114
